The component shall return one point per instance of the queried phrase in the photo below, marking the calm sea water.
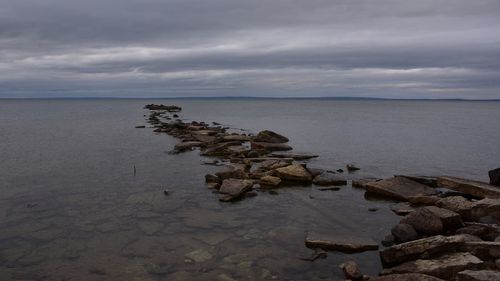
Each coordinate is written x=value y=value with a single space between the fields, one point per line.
x=71 y=207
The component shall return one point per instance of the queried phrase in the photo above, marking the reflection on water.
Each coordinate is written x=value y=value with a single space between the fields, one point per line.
x=72 y=209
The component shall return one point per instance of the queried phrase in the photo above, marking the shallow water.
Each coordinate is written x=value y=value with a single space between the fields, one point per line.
x=71 y=207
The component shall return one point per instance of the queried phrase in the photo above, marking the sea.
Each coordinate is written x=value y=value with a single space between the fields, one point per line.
x=82 y=190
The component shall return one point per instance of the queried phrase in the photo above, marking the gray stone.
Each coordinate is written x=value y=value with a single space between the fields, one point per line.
x=446 y=267
x=329 y=179
x=404 y=233
x=469 y=187
x=398 y=188
x=478 y=275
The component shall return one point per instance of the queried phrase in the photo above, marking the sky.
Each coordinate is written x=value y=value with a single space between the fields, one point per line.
x=262 y=48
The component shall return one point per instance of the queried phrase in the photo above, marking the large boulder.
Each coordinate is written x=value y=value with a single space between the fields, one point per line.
x=469 y=187
x=232 y=189
x=270 y=137
x=424 y=221
x=329 y=179
x=445 y=267
x=424 y=247
x=269 y=146
x=406 y=277
x=294 y=173
x=494 y=177
x=399 y=188
x=346 y=244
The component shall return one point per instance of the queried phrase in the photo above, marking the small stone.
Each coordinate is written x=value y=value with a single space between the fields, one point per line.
x=352 y=168
x=351 y=270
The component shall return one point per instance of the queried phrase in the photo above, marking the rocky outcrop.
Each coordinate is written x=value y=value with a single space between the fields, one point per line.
x=329 y=179
x=232 y=189
x=446 y=267
x=294 y=173
x=398 y=188
x=270 y=137
x=469 y=187
x=424 y=247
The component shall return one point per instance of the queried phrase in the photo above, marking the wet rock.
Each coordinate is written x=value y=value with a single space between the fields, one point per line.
x=232 y=189
x=424 y=247
x=406 y=277
x=270 y=146
x=404 y=233
x=187 y=145
x=424 y=200
x=199 y=255
x=429 y=181
x=402 y=208
x=270 y=181
x=294 y=156
x=232 y=173
x=340 y=243
x=424 y=221
x=294 y=173
x=209 y=178
x=270 y=137
x=140 y=127
x=478 y=275
x=352 y=168
x=398 y=188
x=361 y=182
x=494 y=177
x=351 y=270
x=329 y=179
x=473 y=188
x=445 y=267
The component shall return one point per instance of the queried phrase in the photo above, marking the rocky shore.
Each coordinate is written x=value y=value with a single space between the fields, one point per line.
x=449 y=227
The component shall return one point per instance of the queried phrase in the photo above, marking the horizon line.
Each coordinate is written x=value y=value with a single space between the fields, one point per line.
x=243 y=97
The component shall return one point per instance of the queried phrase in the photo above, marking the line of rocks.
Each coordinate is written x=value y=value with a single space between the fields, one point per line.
x=449 y=229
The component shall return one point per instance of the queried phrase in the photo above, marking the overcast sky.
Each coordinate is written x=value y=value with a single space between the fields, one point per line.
x=308 y=48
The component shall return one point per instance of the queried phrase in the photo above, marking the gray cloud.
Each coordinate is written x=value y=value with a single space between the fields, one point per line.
x=428 y=49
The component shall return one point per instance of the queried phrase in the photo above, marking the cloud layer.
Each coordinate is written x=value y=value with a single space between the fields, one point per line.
x=153 y=48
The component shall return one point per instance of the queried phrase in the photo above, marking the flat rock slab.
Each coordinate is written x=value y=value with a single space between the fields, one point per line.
x=361 y=182
x=402 y=208
x=340 y=243
x=406 y=277
x=430 y=181
x=187 y=145
x=399 y=188
x=445 y=267
x=422 y=247
x=469 y=187
x=295 y=156
x=294 y=173
x=480 y=275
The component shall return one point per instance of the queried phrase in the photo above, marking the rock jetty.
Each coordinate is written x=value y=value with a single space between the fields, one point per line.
x=449 y=227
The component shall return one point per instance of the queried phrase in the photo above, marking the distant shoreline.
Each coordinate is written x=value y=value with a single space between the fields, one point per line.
x=247 y=98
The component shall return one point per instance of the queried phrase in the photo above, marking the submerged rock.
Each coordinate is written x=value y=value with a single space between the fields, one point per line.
x=328 y=179
x=270 y=137
x=352 y=168
x=473 y=188
x=445 y=267
x=399 y=188
x=294 y=173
